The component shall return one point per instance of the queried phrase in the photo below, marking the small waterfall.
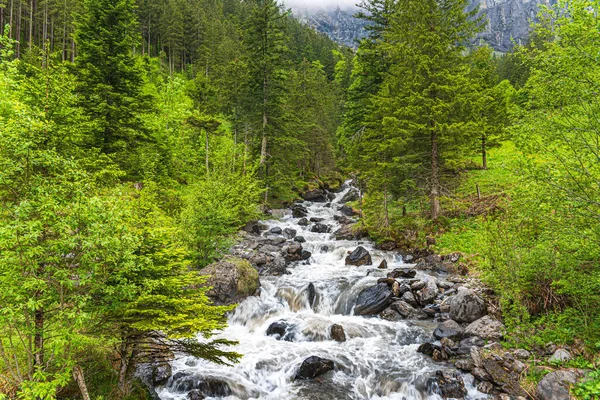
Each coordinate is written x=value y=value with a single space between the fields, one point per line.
x=379 y=359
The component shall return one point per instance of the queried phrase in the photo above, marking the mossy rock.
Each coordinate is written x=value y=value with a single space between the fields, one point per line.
x=231 y=280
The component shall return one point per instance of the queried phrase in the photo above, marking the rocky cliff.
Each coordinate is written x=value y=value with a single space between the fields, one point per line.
x=506 y=21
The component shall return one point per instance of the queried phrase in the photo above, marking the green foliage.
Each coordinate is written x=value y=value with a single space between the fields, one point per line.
x=214 y=210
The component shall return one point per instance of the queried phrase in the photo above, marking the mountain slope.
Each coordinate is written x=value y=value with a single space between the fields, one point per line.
x=506 y=21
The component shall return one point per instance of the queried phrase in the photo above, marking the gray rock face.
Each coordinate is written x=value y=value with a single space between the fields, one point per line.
x=466 y=306
x=555 y=385
x=504 y=21
x=485 y=328
x=507 y=20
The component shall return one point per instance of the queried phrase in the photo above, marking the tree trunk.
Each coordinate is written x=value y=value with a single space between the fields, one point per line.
x=79 y=378
x=435 y=177
x=206 y=149
x=483 y=152
x=386 y=221
x=31 y=24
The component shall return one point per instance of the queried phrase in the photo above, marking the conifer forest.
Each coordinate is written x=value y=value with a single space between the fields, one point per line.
x=210 y=199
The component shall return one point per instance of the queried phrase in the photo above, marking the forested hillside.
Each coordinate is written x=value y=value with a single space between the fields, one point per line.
x=137 y=139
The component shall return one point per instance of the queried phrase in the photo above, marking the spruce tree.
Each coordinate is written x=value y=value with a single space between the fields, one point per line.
x=426 y=99
x=110 y=80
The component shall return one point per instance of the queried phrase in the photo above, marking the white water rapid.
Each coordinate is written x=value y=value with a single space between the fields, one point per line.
x=379 y=360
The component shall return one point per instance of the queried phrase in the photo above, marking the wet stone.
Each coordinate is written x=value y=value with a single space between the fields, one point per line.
x=314 y=367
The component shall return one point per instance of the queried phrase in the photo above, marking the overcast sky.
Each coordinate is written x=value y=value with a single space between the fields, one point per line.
x=320 y=3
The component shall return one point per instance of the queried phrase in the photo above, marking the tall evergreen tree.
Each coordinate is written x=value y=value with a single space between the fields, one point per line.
x=267 y=44
x=426 y=98
x=110 y=80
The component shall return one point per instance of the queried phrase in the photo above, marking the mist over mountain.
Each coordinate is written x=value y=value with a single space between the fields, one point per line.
x=506 y=21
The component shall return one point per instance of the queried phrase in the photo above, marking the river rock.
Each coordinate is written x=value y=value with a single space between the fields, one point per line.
x=316 y=196
x=347 y=211
x=383 y=265
x=204 y=386
x=303 y=222
x=337 y=333
x=448 y=385
x=508 y=381
x=448 y=329
x=486 y=328
x=409 y=298
x=428 y=349
x=313 y=367
x=560 y=355
x=373 y=300
x=405 y=273
x=311 y=293
x=555 y=385
x=360 y=256
x=295 y=252
x=349 y=232
x=289 y=233
x=300 y=239
x=352 y=195
x=299 y=211
x=428 y=293
x=402 y=308
x=390 y=315
x=252 y=227
x=281 y=330
x=466 y=306
x=269 y=263
x=320 y=228
x=316 y=219
x=231 y=280
x=276 y=230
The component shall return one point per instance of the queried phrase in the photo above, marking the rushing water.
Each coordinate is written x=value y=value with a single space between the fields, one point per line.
x=379 y=360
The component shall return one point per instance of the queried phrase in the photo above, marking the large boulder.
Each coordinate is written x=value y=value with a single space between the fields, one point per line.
x=555 y=385
x=281 y=330
x=231 y=280
x=320 y=228
x=360 y=256
x=507 y=380
x=349 y=232
x=206 y=386
x=408 y=273
x=352 y=195
x=448 y=385
x=316 y=195
x=466 y=306
x=485 y=328
x=269 y=264
x=373 y=300
x=299 y=211
x=313 y=367
x=448 y=329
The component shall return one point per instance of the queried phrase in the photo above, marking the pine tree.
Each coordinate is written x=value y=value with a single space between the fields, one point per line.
x=267 y=44
x=110 y=80
x=427 y=95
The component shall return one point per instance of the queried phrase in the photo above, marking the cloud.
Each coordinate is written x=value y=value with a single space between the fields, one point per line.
x=320 y=4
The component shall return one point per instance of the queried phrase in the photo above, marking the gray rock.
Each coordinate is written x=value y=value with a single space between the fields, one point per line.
x=522 y=354
x=402 y=273
x=390 y=315
x=320 y=228
x=555 y=385
x=303 y=222
x=448 y=385
x=466 y=306
x=352 y=195
x=360 y=256
x=289 y=233
x=373 y=300
x=383 y=265
x=403 y=308
x=349 y=232
x=300 y=239
x=281 y=330
x=317 y=196
x=486 y=328
x=428 y=293
x=448 y=329
x=409 y=298
x=313 y=367
x=560 y=355
x=299 y=211
x=276 y=230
